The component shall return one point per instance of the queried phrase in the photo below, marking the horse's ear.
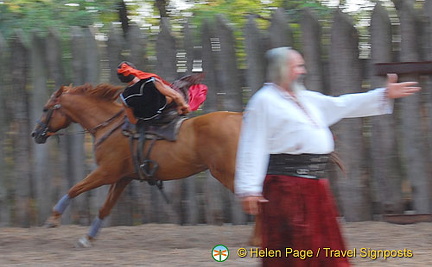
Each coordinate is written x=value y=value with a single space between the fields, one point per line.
x=59 y=91
x=62 y=89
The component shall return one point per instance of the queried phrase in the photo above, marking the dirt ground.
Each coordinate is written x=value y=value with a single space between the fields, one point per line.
x=174 y=245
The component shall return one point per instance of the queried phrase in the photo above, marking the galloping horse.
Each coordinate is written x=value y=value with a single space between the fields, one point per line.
x=204 y=142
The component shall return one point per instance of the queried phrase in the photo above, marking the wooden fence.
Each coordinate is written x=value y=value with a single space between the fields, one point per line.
x=386 y=157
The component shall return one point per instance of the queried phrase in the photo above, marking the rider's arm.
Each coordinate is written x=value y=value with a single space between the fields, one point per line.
x=130 y=114
x=129 y=111
x=173 y=95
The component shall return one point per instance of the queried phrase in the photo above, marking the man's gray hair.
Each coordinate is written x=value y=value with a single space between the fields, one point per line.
x=277 y=67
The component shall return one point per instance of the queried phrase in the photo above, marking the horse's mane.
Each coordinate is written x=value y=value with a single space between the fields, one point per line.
x=103 y=91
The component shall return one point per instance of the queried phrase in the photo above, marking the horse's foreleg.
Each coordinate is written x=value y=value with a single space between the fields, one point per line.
x=113 y=195
x=59 y=208
x=93 y=180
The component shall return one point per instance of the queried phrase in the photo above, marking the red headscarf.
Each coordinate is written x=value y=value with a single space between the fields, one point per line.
x=127 y=70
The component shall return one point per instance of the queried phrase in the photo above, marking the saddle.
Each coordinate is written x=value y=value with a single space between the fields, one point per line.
x=164 y=127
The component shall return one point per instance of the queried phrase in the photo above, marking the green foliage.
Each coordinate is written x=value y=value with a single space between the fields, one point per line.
x=237 y=10
x=60 y=14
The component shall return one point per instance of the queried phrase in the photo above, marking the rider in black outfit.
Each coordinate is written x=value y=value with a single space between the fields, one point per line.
x=147 y=95
x=146 y=100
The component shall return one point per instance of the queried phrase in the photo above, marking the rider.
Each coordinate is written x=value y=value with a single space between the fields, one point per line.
x=147 y=95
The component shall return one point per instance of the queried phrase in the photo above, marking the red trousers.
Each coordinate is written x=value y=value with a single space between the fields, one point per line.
x=300 y=220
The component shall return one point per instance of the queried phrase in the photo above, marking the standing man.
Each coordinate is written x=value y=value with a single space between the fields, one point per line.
x=283 y=151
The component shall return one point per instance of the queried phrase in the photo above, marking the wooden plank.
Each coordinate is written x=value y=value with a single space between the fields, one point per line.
x=312 y=46
x=412 y=134
x=41 y=171
x=345 y=71
x=255 y=50
x=385 y=177
x=229 y=75
x=22 y=174
x=425 y=67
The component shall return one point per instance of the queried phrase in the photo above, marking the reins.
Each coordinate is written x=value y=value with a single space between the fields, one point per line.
x=92 y=130
x=105 y=123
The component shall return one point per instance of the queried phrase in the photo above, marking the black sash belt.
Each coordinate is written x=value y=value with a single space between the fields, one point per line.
x=312 y=166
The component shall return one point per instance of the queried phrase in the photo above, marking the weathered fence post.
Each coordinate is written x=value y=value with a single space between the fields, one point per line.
x=189 y=48
x=53 y=53
x=213 y=202
x=136 y=45
x=114 y=52
x=135 y=200
x=312 y=52
x=189 y=202
x=91 y=58
x=279 y=30
x=21 y=129
x=166 y=67
x=58 y=149
x=231 y=91
x=121 y=213
x=76 y=152
x=209 y=66
x=386 y=176
x=5 y=172
x=255 y=50
x=41 y=173
x=230 y=86
x=345 y=77
x=415 y=156
x=427 y=91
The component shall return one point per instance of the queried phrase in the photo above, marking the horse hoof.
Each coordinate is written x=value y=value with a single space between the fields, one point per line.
x=83 y=242
x=52 y=223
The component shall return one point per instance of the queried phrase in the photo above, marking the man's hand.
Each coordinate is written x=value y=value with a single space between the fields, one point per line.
x=183 y=109
x=251 y=205
x=399 y=90
x=172 y=95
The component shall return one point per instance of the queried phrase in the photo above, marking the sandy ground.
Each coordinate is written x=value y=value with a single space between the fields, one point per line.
x=174 y=245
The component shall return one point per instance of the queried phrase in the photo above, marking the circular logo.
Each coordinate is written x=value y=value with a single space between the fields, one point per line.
x=220 y=253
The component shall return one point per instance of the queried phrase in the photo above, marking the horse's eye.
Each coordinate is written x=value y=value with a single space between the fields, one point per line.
x=45 y=109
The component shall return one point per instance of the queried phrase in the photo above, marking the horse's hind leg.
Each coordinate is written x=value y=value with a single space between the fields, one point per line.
x=93 y=180
x=112 y=197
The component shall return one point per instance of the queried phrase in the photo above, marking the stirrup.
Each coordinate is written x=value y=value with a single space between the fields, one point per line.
x=129 y=129
x=147 y=169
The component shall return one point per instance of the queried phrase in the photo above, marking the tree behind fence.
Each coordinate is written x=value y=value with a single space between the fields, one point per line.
x=386 y=157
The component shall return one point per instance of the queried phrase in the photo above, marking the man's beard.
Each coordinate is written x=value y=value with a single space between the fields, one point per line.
x=298 y=84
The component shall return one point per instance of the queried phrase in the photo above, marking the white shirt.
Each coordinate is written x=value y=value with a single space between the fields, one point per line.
x=275 y=123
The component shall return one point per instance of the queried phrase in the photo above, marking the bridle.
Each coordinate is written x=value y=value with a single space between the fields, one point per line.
x=45 y=125
x=50 y=111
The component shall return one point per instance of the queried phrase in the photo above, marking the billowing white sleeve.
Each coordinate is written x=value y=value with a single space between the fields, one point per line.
x=371 y=103
x=252 y=153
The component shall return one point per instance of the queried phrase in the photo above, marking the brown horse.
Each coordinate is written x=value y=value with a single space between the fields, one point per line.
x=204 y=142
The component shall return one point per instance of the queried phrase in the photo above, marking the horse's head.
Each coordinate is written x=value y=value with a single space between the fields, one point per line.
x=52 y=120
